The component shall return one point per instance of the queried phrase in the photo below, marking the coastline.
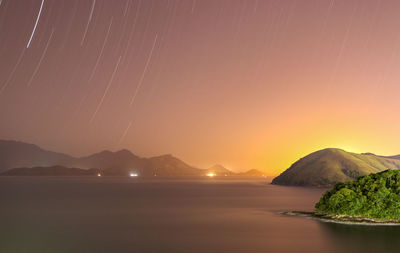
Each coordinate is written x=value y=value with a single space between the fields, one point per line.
x=342 y=219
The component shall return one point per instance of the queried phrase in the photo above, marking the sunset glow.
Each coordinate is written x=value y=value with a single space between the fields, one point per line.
x=198 y=126
x=248 y=84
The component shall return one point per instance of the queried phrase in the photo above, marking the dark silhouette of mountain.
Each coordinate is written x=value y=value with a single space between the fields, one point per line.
x=51 y=171
x=107 y=159
x=14 y=154
x=168 y=165
x=120 y=163
x=328 y=166
x=23 y=155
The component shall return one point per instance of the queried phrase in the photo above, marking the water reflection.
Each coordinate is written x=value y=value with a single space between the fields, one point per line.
x=80 y=215
x=362 y=238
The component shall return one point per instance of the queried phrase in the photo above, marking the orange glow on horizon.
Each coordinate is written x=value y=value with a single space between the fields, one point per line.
x=245 y=84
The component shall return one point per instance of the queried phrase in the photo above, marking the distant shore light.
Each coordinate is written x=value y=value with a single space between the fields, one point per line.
x=133 y=174
x=98 y=174
x=211 y=174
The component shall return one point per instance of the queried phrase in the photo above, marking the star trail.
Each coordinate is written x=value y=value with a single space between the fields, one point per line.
x=37 y=21
x=236 y=82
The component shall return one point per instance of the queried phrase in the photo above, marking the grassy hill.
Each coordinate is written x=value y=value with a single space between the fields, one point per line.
x=329 y=166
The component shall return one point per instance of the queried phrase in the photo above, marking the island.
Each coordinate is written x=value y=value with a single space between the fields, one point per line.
x=369 y=200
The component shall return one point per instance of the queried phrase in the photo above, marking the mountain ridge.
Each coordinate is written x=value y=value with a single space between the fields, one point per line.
x=118 y=163
x=326 y=167
x=219 y=170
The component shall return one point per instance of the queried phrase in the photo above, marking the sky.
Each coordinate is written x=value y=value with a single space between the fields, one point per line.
x=250 y=84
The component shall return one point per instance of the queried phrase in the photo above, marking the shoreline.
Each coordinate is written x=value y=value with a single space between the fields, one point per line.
x=342 y=219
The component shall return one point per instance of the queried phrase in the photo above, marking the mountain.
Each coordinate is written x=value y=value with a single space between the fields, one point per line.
x=119 y=163
x=107 y=159
x=168 y=165
x=396 y=157
x=251 y=173
x=219 y=170
x=21 y=155
x=30 y=159
x=326 y=167
x=50 y=171
x=14 y=154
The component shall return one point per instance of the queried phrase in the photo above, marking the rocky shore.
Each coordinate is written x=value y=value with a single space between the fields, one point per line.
x=343 y=219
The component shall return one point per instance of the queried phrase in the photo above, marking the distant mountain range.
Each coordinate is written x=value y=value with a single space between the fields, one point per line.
x=19 y=158
x=51 y=171
x=326 y=167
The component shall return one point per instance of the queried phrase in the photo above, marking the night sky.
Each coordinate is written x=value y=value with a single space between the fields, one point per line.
x=248 y=84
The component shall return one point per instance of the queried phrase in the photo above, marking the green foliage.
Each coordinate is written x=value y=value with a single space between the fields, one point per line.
x=374 y=196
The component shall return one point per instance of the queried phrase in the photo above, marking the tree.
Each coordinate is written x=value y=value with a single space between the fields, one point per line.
x=373 y=196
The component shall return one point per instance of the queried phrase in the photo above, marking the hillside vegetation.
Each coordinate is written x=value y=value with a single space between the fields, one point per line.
x=374 y=196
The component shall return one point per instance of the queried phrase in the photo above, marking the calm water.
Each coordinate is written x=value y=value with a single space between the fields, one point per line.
x=205 y=215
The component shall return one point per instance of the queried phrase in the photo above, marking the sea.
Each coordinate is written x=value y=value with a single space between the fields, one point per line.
x=112 y=214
